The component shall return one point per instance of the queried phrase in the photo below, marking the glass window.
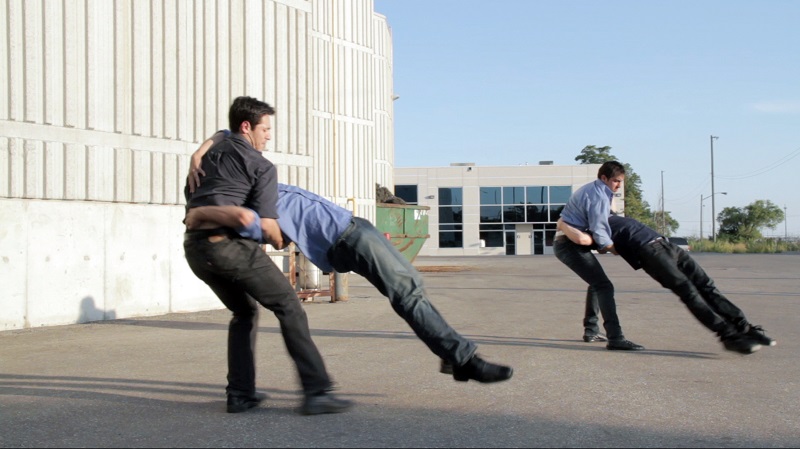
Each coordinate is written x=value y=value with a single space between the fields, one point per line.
x=451 y=217
x=555 y=212
x=560 y=194
x=537 y=195
x=451 y=227
x=514 y=214
x=451 y=240
x=407 y=192
x=537 y=214
x=491 y=214
x=492 y=239
x=450 y=196
x=513 y=195
x=491 y=195
x=450 y=214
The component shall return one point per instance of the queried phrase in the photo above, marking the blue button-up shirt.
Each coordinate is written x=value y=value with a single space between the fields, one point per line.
x=588 y=209
x=309 y=220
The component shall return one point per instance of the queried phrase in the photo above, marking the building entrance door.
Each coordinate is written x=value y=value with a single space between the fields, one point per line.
x=523 y=238
x=538 y=242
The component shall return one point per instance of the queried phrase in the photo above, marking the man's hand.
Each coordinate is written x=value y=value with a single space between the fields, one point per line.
x=195 y=171
x=192 y=219
x=196 y=161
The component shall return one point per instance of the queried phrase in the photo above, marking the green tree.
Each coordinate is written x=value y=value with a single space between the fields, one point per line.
x=742 y=224
x=635 y=207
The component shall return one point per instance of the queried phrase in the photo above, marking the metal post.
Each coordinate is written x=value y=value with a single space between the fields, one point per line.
x=785 y=226
x=701 y=216
x=713 y=209
x=340 y=287
x=662 y=203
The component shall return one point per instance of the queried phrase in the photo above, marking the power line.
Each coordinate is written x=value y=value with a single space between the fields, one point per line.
x=761 y=171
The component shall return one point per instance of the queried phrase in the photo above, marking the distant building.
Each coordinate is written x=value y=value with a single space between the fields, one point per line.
x=500 y=210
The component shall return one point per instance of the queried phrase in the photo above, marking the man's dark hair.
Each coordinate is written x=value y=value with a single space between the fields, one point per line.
x=610 y=170
x=247 y=109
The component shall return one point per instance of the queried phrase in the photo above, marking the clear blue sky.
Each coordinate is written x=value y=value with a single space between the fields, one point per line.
x=505 y=82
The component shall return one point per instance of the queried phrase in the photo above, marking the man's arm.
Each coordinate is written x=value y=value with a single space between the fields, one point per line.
x=572 y=233
x=597 y=212
x=196 y=161
x=241 y=219
x=209 y=217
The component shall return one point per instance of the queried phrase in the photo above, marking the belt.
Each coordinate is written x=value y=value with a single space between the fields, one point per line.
x=202 y=234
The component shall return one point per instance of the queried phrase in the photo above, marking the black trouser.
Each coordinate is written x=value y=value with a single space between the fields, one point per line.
x=243 y=276
x=676 y=270
x=599 y=294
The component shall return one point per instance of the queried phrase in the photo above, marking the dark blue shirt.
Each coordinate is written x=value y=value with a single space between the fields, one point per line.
x=629 y=237
x=237 y=175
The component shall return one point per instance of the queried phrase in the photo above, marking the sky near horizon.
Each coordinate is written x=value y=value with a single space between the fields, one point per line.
x=510 y=82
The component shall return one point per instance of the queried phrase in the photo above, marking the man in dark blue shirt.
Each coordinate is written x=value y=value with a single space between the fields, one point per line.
x=333 y=239
x=239 y=271
x=644 y=248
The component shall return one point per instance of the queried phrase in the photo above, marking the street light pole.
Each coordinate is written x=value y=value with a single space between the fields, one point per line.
x=713 y=209
x=663 y=221
x=701 y=216
x=703 y=198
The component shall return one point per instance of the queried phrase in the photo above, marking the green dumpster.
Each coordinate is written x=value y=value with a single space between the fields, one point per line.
x=405 y=225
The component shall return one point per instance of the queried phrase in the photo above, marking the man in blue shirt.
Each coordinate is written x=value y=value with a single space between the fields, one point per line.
x=675 y=269
x=334 y=240
x=588 y=209
x=239 y=272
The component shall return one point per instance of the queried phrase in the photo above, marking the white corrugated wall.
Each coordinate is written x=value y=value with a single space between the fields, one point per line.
x=104 y=101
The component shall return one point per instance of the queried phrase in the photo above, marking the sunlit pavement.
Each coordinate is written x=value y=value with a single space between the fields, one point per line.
x=160 y=381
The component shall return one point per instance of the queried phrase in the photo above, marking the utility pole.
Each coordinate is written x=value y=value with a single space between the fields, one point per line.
x=713 y=209
x=663 y=221
x=785 y=226
x=701 y=216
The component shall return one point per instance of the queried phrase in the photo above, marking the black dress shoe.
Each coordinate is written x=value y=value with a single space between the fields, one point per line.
x=593 y=338
x=446 y=367
x=741 y=343
x=623 y=345
x=239 y=404
x=482 y=371
x=317 y=404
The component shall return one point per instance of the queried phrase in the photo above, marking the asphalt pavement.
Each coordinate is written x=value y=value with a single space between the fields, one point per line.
x=160 y=381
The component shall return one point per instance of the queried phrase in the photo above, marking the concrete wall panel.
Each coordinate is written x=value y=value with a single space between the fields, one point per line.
x=13 y=264
x=66 y=264
x=103 y=102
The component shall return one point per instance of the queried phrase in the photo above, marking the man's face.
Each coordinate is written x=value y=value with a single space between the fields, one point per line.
x=259 y=134
x=613 y=183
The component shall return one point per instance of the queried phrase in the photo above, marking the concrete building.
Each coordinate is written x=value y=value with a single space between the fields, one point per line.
x=508 y=210
x=103 y=103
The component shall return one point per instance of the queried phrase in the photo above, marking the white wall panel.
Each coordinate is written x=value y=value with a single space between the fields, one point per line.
x=100 y=168
x=100 y=69
x=103 y=102
x=53 y=170
x=34 y=169
x=16 y=52
x=13 y=264
x=66 y=269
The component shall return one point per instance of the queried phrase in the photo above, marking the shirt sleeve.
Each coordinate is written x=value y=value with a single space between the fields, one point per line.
x=598 y=211
x=264 y=197
x=253 y=230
